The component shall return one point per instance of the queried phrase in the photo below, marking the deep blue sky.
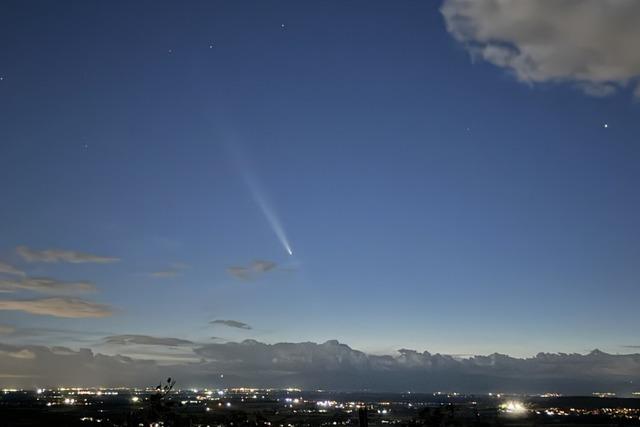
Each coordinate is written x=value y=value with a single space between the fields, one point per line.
x=432 y=202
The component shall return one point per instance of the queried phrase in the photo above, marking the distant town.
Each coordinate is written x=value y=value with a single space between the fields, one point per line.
x=164 y=406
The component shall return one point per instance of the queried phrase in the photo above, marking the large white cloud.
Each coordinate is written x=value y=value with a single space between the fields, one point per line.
x=589 y=43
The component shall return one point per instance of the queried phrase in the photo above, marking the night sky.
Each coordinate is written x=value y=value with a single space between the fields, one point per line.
x=159 y=159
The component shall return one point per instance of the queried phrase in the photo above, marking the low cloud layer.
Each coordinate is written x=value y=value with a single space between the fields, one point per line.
x=45 y=285
x=591 y=44
x=231 y=324
x=251 y=271
x=58 y=307
x=9 y=269
x=330 y=365
x=146 y=340
x=60 y=255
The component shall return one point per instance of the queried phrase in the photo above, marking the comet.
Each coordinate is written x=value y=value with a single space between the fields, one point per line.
x=261 y=199
x=270 y=215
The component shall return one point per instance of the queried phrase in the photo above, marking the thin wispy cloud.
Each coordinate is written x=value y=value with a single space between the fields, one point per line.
x=6 y=329
x=231 y=324
x=58 y=307
x=591 y=44
x=45 y=285
x=175 y=269
x=254 y=270
x=239 y=272
x=165 y=273
x=262 y=266
x=47 y=334
x=61 y=255
x=9 y=269
x=146 y=340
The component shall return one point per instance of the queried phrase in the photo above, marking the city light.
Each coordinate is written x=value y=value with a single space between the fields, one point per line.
x=514 y=407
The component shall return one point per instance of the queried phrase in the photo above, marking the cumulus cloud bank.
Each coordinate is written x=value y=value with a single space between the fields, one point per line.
x=60 y=255
x=330 y=365
x=589 y=43
x=58 y=307
x=45 y=285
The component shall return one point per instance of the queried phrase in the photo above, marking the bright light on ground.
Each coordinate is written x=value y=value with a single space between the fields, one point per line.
x=514 y=407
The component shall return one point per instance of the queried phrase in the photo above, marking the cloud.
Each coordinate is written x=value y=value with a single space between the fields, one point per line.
x=262 y=266
x=175 y=269
x=165 y=273
x=255 y=269
x=239 y=272
x=47 y=335
x=231 y=324
x=58 y=307
x=146 y=340
x=19 y=354
x=333 y=365
x=55 y=366
x=60 y=255
x=9 y=269
x=45 y=285
x=6 y=329
x=329 y=365
x=589 y=43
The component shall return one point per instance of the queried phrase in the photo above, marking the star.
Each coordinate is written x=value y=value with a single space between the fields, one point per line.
x=211 y=46
x=1 y=78
x=170 y=50
x=606 y=125
x=282 y=26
